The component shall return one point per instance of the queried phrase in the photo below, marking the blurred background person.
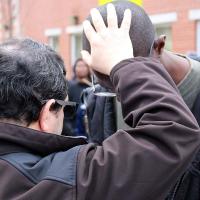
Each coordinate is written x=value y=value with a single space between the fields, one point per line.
x=81 y=80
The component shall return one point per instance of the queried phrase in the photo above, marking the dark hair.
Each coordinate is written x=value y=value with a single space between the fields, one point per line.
x=142 y=32
x=75 y=65
x=29 y=73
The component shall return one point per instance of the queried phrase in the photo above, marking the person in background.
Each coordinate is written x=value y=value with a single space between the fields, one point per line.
x=81 y=80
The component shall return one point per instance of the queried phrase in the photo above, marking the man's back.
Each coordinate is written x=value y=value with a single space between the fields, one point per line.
x=35 y=165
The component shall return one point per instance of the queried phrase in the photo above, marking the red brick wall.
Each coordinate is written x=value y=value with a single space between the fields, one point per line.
x=5 y=31
x=184 y=30
x=37 y=16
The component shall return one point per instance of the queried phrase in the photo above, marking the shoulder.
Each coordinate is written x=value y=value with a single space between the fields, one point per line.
x=60 y=166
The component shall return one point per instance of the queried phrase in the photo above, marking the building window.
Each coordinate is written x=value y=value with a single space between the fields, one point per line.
x=165 y=30
x=75 y=33
x=163 y=23
x=76 y=47
x=194 y=15
x=53 y=36
x=53 y=42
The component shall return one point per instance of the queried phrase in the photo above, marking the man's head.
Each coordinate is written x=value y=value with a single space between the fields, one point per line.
x=142 y=32
x=30 y=73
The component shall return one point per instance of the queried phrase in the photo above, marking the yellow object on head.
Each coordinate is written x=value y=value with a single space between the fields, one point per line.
x=102 y=2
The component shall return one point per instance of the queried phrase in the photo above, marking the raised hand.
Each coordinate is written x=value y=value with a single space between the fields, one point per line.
x=109 y=45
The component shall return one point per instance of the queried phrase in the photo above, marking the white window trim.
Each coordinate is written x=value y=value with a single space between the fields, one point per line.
x=73 y=49
x=53 y=32
x=194 y=14
x=164 y=18
x=73 y=31
x=77 y=29
x=198 y=38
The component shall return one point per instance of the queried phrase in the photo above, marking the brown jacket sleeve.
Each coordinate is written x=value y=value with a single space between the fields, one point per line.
x=144 y=162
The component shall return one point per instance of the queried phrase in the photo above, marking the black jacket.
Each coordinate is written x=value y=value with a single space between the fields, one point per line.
x=141 y=163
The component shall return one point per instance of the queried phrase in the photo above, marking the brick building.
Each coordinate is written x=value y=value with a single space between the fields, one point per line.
x=180 y=19
x=58 y=23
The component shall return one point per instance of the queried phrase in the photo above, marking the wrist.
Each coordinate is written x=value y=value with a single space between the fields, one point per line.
x=116 y=62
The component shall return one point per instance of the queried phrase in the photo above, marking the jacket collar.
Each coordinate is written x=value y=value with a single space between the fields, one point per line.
x=14 y=138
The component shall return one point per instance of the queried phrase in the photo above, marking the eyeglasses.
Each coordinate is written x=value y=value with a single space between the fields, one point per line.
x=69 y=107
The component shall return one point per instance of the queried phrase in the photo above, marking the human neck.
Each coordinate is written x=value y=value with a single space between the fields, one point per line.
x=176 y=66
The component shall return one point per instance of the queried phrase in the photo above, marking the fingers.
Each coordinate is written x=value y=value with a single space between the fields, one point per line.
x=86 y=57
x=97 y=20
x=112 y=16
x=126 y=22
x=111 y=19
x=89 y=30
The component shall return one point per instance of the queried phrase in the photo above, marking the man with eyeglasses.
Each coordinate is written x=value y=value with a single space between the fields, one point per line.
x=37 y=163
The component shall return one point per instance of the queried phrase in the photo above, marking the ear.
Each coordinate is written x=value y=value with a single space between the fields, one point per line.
x=159 y=45
x=47 y=117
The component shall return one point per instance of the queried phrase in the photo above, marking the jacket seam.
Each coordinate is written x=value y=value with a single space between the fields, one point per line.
x=34 y=181
x=78 y=161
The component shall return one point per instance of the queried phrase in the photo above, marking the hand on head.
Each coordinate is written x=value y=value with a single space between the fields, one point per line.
x=109 y=45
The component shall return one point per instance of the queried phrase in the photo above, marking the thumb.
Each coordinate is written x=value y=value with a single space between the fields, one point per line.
x=86 y=57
